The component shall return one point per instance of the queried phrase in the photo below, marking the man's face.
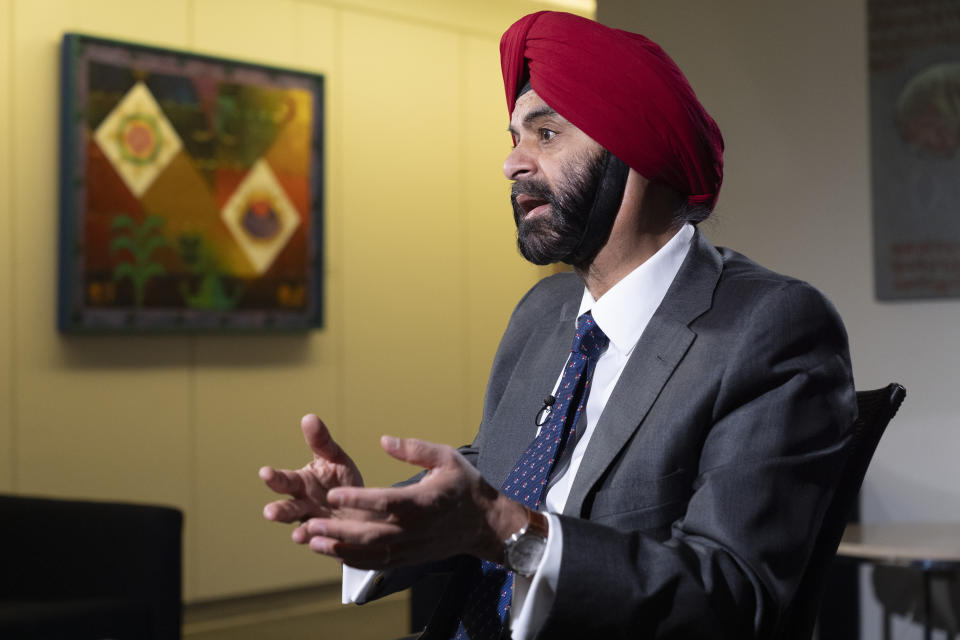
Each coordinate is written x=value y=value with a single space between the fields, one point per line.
x=556 y=169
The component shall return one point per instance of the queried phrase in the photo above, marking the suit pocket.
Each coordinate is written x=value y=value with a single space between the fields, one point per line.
x=642 y=504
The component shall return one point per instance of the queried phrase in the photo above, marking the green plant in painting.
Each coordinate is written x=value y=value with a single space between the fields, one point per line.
x=140 y=241
x=208 y=291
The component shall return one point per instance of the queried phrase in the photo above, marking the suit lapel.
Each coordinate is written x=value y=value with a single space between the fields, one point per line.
x=536 y=372
x=658 y=352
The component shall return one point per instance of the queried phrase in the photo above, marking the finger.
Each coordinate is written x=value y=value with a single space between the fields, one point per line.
x=325 y=546
x=377 y=558
x=353 y=532
x=286 y=510
x=300 y=534
x=318 y=438
x=419 y=452
x=282 y=480
x=377 y=501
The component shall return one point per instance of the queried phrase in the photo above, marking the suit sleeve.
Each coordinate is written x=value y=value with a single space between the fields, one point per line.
x=768 y=464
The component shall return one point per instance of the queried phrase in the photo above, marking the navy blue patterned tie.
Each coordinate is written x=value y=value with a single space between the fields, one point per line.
x=486 y=609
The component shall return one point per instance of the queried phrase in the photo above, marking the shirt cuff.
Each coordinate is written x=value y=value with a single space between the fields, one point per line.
x=533 y=596
x=355 y=585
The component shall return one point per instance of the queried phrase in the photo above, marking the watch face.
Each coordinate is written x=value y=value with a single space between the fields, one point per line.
x=524 y=555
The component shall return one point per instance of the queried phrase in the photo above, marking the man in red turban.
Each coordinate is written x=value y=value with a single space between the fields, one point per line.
x=673 y=481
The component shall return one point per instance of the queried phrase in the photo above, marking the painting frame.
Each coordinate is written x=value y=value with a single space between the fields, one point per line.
x=191 y=192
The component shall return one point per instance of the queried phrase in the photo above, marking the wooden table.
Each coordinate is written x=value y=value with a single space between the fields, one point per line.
x=933 y=548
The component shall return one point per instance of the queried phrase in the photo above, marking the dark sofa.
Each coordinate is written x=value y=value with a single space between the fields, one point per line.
x=83 y=570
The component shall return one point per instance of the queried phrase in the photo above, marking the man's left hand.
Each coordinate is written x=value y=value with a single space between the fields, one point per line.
x=451 y=510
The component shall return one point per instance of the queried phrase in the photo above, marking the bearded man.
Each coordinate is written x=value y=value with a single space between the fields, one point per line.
x=676 y=476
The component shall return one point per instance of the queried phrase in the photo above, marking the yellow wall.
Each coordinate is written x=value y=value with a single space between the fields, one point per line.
x=421 y=274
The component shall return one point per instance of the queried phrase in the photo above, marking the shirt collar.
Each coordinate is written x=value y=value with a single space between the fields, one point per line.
x=624 y=311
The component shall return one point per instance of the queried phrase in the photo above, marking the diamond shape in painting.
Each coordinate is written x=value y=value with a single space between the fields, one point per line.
x=260 y=216
x=138 y=139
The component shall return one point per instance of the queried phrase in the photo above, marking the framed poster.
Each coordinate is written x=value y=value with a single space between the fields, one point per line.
x=191 y=195
x=915 y=147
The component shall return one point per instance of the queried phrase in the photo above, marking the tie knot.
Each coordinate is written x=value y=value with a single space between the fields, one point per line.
x=590 y=340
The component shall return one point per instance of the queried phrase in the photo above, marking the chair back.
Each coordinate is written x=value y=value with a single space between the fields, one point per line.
x=875 y=410
x=117 y=573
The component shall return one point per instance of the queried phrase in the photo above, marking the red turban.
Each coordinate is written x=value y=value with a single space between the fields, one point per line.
x=622 y=90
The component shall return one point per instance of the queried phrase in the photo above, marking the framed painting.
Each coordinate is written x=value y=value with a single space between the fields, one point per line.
x=914 y=81
x=191 y=195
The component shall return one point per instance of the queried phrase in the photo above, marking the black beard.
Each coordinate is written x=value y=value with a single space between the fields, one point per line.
x=548 y=239
x=557 y=237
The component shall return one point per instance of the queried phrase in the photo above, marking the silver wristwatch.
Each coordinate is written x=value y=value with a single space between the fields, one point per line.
x=523 y=550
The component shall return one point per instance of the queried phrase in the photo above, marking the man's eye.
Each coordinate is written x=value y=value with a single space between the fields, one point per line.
x=546 y=135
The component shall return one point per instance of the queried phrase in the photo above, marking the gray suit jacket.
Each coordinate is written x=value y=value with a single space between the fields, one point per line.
x=698 y=500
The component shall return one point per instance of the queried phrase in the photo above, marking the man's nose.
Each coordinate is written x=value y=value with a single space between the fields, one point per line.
x=519 y=164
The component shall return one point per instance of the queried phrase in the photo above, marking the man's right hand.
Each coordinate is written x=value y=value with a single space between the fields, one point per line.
x=307 y=487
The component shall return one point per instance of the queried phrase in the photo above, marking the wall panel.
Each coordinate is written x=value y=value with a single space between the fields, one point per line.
x=7 y=225
x=95 y=417
x=261 y=32
x=252 y=390
x=403 y=360
x=250 y=396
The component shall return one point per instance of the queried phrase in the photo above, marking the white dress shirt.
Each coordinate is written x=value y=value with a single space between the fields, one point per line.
x=622 y=313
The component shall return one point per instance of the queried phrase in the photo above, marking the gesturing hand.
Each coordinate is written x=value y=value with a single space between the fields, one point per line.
x=451 y=510
x=307 y=487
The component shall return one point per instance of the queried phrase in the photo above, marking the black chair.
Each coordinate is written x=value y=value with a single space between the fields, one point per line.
x=876 y=409
x=81 y=570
